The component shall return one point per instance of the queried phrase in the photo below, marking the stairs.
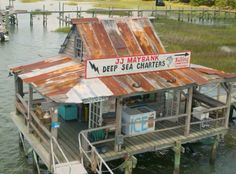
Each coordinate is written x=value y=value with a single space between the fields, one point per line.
x=74 y=167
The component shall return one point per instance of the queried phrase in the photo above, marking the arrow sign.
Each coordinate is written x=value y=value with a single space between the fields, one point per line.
x=136 y=64
x=185 y=54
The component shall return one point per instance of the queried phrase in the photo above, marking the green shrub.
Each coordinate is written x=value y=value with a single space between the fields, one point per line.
x=226 y=3
x=203 y=2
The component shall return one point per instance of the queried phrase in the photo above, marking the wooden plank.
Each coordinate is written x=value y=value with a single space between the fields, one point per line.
x=206 y=99
x=33 y=141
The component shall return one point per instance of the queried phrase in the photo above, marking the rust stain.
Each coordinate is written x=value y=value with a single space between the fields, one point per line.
x=104 y=42
x=114 y=86
x=215 y=72
x=116 y=38
x=90 y=40
x=129 y=39
x=194 y=76
x=40 y=65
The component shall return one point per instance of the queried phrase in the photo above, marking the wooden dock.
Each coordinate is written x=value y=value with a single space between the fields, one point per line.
x=192 y=15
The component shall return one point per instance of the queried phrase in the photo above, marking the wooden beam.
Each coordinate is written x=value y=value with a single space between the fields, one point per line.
x=118 y=122
x=209 y=101
x=30 y=105
x=189 y=111
x=228 y=104
x=18 y=89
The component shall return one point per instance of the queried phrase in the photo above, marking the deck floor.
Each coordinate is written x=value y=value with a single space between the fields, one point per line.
x=68 y=138
x=159 y=140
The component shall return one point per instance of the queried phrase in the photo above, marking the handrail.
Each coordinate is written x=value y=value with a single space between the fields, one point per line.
x=93 y=149
x=54 y=157
x=35 y=118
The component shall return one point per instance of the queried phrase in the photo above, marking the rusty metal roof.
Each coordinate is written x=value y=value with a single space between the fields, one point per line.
x=62 y=78
x=114 y=37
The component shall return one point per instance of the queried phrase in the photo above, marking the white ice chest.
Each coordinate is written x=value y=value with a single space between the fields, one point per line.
x=138 y=120
x=197 y=113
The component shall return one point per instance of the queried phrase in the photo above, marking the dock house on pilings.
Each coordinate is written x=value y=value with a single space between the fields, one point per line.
x=114 y=90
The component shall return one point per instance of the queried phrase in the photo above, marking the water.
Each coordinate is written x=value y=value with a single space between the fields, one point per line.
x=31 y=44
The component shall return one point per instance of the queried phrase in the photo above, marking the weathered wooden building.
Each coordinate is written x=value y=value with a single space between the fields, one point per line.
x=114 y=90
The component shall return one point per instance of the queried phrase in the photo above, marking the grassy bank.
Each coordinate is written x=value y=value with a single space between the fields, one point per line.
x=134 y=4
x=71 y=3
x=213 y=46
x=29 y=1
x=63 y=30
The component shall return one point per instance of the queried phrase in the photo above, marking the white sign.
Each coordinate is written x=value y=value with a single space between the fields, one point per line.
x=136 y=64
x=96 y=99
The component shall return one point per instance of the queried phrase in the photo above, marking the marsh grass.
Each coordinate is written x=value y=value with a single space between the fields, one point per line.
x=63 y=30
x=134 y=4
x=100 y=11
x=30 y=1
x=71 y=3
x=41 y=13
x=205 y=42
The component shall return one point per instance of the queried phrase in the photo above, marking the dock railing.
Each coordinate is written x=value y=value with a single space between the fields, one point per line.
x=32 y=120
x=89 y=151
x=212 y=118
x=55 y=159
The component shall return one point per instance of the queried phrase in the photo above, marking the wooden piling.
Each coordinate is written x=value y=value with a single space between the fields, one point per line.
x=177 y=149
x=44 y=16
x=214 y=150
x=59 y=8
x=31 y=19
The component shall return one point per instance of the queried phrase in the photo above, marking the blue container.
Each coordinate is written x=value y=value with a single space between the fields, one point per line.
x=68 y=111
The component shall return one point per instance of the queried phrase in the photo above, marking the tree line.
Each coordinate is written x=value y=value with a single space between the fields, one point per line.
x=219 y=3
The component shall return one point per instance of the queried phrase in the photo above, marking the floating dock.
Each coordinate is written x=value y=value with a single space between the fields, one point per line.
x=114 y=91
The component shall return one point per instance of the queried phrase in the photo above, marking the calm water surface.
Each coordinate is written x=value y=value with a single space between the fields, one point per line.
x=28 y=44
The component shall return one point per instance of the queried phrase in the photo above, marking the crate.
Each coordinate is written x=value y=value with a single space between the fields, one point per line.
x=68 y=111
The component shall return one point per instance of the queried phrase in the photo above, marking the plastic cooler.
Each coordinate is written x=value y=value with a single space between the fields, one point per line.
x=68 y=112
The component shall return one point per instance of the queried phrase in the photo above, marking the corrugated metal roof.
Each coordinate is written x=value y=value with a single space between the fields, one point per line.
x=62 y=78
x=113 y=37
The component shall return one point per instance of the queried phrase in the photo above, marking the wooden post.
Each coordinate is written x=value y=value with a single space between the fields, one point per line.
x=188 y=111
x=77 y=11
x=59 y=14
x=18 y=89
x=178 y=98
x=31 y=19
x=62 y=14
x=228 y=103
x=177 y=150
x=191 y=15
x=118 y=122
x=30 y=105
x=44 y=18
x=179 y=15
x=54 y=131
x=214 y=151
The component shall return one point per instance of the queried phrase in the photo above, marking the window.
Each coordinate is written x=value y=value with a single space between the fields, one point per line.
x=79 y=47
